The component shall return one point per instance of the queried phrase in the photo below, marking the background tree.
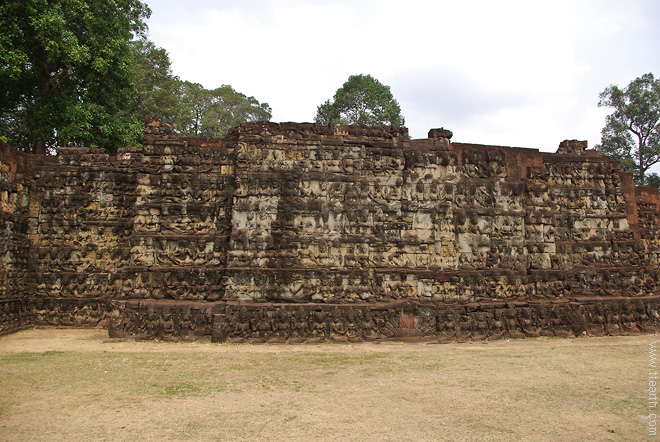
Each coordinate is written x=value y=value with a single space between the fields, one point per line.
x=157 y=88
x=361 y=100
x=66 y=72
x=230 y=108
x=193 y=100
x=653 y=180
x=211 y=113
x=632 y=132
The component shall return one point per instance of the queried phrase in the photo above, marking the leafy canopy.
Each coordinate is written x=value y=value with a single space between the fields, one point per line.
x=632 y=132
x=211 y=113
x=361 y=100
x=66 y=72
x=157 y=87
x=82 y=72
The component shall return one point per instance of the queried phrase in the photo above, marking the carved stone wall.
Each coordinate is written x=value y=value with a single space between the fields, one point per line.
x=404 y=320
x=15 y=174
x=357 y=217
x=293 y=232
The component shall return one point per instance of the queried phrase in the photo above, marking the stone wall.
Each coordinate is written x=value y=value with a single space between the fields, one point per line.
x=15 y=173
x=359 y=217
x=402 y=320
x=293 y=232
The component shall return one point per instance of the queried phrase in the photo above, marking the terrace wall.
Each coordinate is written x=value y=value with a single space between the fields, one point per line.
x=301 y=232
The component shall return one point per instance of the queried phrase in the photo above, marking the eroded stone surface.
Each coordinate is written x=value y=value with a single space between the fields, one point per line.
x=281 y=230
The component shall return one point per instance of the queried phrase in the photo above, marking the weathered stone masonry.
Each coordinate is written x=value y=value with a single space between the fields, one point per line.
x=297 y=232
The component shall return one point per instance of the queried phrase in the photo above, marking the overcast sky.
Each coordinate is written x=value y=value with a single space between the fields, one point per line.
x=512 y=73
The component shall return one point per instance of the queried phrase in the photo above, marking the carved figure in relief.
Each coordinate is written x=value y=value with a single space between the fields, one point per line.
x=446 y=330
x=352 y=325
x=281 y=325
x=479 y=325
x=512 y=325
x=628 y=322
x=496 y=328
x=337 y=326
x=368 y=325
x=596 y=320
x=319 y=330
x=528 y=323
x=613 y=319
x=300 y=327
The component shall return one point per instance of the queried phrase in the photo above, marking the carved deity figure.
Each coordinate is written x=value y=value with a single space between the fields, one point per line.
x=445 y=325
x=596 y=320
x=496 y=328
x=528 y=323
x=369 y=325
x=513 y=329
x=338 y=326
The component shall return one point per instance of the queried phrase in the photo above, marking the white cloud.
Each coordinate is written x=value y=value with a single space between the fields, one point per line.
x=508 y=72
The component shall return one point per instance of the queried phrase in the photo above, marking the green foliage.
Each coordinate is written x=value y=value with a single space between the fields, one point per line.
x=157 y=87
x=632 y=132
x=82 y=72
x=67 y=74
x=653 y=180
x=211 y=113
x=361 y=100
x=192 y=104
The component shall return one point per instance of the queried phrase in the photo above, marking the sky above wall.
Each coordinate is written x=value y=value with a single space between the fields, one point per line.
x=512 y=73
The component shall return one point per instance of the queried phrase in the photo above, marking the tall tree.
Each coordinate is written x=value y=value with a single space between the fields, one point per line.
x=66 y=72
x=194 y=100
x=361 y=100
x=211 y=113
x=157 y=87
x=632 y=132
x=230 y=108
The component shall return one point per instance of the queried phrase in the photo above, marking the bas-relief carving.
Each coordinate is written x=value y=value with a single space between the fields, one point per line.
x=319 y=217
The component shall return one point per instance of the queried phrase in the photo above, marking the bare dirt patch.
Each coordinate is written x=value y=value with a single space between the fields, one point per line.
x=71 y=384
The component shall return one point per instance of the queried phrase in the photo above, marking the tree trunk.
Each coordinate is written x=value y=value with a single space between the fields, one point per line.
x=45 y=89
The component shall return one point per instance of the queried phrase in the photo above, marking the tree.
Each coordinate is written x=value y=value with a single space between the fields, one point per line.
x=361 y=100
x=632 y=132
x=211 y=113
x=192 y=104
x=229 y=109
x=653 y=180
x=157 y=87
x=67 y=73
